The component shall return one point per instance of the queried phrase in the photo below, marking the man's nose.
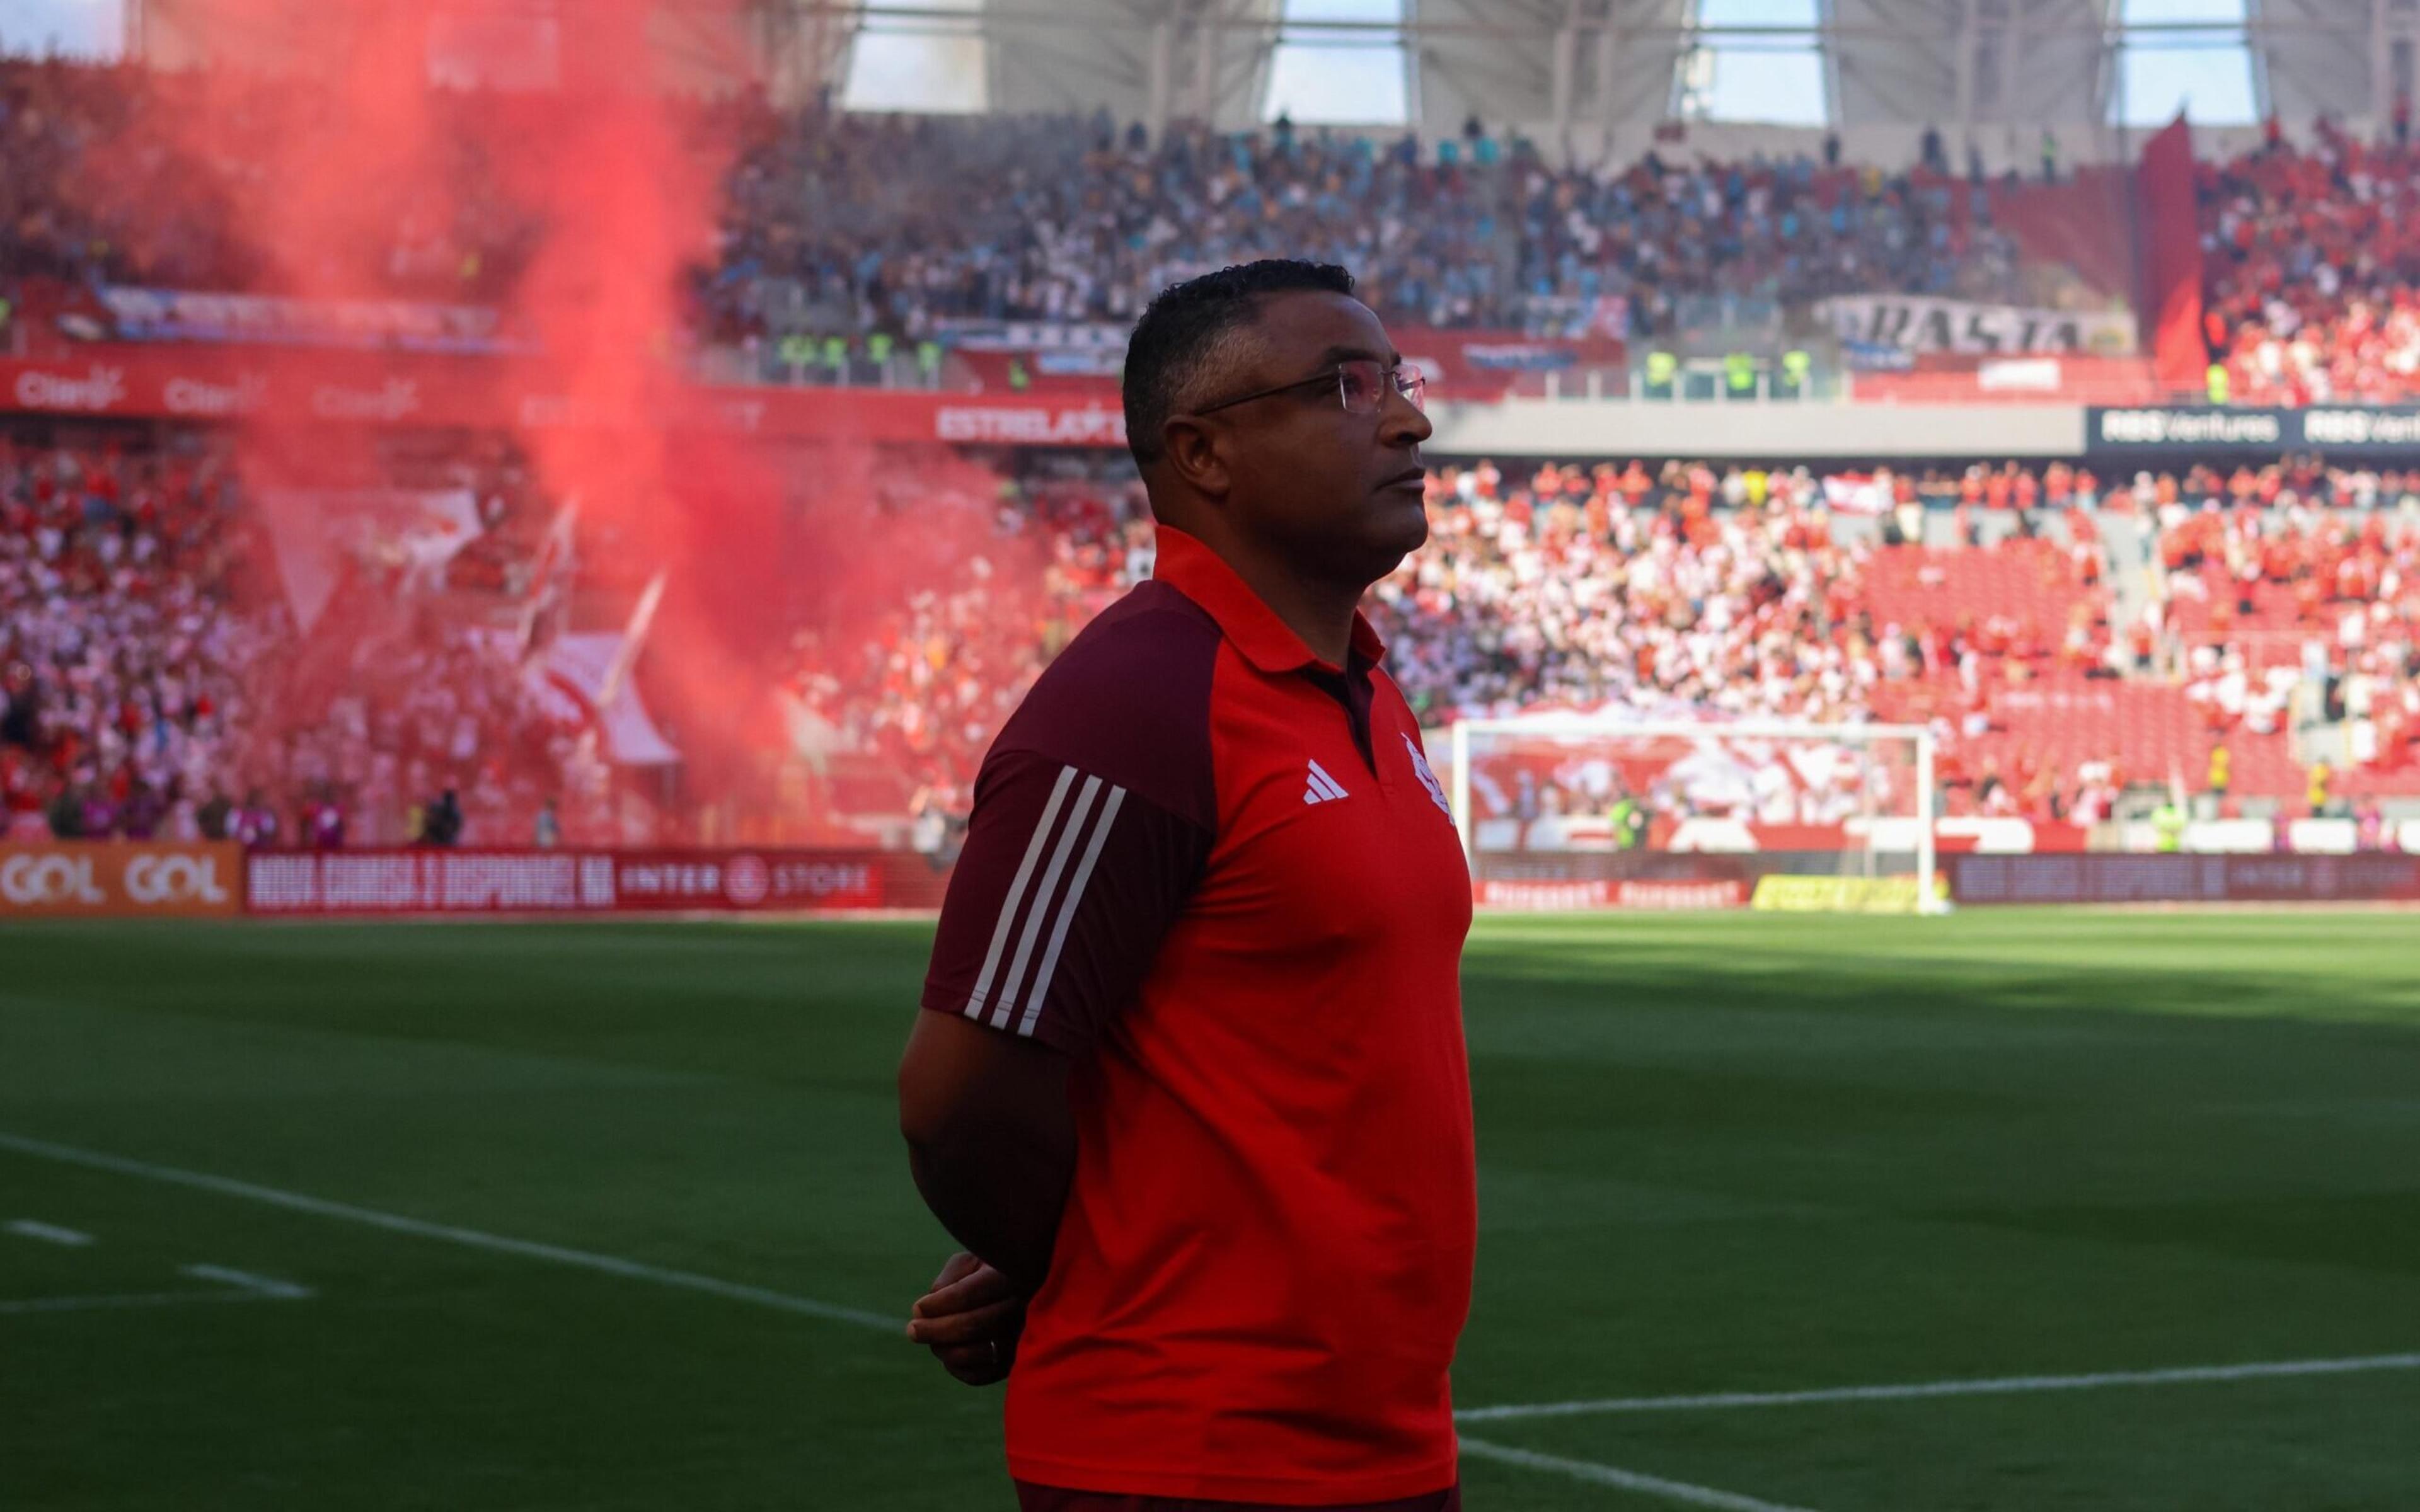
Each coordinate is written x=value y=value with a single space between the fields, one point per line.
x=1402 y=423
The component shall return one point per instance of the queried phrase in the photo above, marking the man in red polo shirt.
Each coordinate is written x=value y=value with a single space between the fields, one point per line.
x=1190 y=1078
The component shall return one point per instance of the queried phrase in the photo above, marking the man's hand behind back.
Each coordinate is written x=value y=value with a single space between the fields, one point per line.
x=970 y=1320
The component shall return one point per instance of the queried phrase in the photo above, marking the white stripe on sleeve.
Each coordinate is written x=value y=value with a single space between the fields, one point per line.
x=1017 y=893
x=1068 y=834
x=1067 y=913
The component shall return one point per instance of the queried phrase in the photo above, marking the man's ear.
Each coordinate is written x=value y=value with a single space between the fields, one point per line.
x=1196 y=452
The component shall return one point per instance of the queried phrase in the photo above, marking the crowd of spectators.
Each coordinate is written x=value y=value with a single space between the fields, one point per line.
x=834 y=223
x=124 y=670
x=2276 y=604
x=432 y=708
x=1685 y=589
x=895 y=222
x=1689 y=592
x=968 y=583
x=1656 y=234
x=2311 y=262
x=113 y=172
x=1691 y=589
x=1593 y=587
x=153 y=684
x=892 y=223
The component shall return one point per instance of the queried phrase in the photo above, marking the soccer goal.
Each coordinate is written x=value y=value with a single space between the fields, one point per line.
x=1577 y=811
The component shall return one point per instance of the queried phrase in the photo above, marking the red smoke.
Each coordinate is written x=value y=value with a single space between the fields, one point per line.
x=579 y=210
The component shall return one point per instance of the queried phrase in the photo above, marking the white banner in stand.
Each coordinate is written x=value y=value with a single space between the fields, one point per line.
x=1913 y=323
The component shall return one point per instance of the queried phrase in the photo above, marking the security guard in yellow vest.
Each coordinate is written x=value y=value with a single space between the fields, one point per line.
x=1797 y=368
x=1663 y=373
x=2170 y=823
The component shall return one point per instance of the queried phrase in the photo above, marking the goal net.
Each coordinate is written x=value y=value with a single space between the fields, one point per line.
x=1571 y=811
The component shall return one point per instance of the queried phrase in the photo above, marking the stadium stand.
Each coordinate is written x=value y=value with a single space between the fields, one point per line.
x=123 y=676
x=153 y=680
x=848 y=224
x=841 y=224
x=102 y=180
x=2067 y=631
x=152 y=664
x=901 y=697
x=2310 y=269
x=1584 y=588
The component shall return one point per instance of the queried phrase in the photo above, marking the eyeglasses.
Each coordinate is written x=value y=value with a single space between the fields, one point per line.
x=1361 y=386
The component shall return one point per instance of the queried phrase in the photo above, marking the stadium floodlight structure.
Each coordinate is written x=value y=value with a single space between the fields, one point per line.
x=1877 y=778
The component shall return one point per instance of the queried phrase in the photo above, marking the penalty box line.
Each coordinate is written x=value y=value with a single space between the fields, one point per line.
x=450 y=1233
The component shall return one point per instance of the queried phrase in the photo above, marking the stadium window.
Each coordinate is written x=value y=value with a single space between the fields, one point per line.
x=2207 y=74
x=1774 y=75
x=1339 y=78
x=65 y=28
x=920 y=62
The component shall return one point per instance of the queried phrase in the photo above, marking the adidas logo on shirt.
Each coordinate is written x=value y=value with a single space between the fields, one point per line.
x=1321 y=787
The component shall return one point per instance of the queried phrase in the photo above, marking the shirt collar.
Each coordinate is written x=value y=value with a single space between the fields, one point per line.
x=1249 y=624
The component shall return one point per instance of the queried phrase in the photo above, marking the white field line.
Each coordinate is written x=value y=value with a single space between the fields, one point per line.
x=49 y=1233
x=254 y=1287
x=1995 y=1387
x=259 y=1286
x=1628 y=1480
x=451 y=1234
x=783 y=1301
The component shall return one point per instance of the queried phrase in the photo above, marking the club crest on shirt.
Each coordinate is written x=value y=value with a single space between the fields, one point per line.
x=1428 y=779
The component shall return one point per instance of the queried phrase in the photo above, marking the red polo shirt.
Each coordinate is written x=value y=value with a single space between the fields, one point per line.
x=1218 y=873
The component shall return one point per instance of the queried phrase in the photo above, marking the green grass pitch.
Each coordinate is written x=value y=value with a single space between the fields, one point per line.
x=1733 y=1154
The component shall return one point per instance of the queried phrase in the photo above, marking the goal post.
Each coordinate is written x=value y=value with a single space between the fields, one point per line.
x=1573 y=811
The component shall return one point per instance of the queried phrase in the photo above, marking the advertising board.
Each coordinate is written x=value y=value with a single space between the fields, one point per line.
x=1837 y=895
x=2149 y=431
x=1581 y=894
x=340 y=387
x=119 y=879
x=431 y=882
x=2108 y=877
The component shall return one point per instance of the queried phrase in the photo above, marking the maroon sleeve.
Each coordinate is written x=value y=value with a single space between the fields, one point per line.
x=1061 y=898
x=1093 y=815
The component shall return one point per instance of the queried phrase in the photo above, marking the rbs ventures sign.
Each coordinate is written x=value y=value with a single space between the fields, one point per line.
x=2179 y=431
x=101 y=879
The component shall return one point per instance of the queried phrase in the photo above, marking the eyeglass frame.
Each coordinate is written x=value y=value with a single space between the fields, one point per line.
x=1418 y=383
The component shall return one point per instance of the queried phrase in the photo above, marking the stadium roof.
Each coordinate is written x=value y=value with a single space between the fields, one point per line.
x=1557 y=70
x=1551 y=67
